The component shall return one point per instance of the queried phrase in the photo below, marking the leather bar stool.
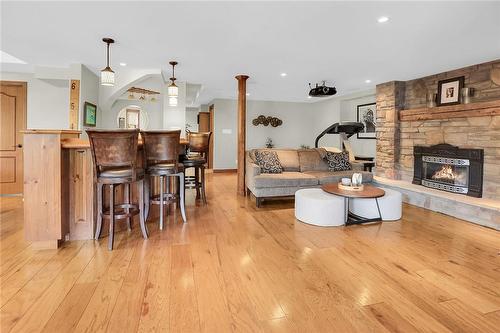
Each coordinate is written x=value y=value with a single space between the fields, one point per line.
x=114 y=154
x=199 y=144
x=161 y=149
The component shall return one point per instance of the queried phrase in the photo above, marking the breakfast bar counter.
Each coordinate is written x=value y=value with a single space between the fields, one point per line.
x=59 y=199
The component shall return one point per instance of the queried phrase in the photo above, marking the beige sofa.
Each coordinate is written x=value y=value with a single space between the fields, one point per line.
x=302 y=168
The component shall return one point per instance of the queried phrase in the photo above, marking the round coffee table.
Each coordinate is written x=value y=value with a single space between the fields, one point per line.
x=368 y=191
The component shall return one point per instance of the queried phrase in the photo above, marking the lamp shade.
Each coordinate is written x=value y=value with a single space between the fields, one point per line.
x=107 y=77
x=173 y=90
x=172 y=101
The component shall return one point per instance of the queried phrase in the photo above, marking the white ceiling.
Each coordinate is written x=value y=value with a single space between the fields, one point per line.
x=340 y=42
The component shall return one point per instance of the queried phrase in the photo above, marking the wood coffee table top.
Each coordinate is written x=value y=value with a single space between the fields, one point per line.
x=369 y=191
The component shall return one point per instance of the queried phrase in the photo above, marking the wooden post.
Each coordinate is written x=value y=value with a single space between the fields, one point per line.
x=242 y=111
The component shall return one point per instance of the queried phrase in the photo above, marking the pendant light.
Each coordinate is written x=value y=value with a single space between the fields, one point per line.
x=107 y=74
x=173 y=90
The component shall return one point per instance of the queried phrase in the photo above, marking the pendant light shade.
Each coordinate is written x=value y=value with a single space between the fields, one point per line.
x=173 y=90
x=107 y=74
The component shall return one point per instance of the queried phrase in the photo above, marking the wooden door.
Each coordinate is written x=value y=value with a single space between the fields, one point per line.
x=203 y=122
x=211 y=150
x=12 y=122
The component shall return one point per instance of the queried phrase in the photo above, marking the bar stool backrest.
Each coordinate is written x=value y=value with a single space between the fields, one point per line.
x=161 y=146
x=199 y=142
x=114 y=149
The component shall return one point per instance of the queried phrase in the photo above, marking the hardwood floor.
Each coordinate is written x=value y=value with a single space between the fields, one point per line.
x=233 y=267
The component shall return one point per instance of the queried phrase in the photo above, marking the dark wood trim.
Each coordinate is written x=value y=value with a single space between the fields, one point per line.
x=478 y=109
x=225 y=170
x=242 y=110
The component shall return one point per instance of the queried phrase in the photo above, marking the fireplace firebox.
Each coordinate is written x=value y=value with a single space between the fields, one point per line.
x=449 y=168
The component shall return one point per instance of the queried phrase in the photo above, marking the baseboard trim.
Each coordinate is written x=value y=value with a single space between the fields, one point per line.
x=225 y=170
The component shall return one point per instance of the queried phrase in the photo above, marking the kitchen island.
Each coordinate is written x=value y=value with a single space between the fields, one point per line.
x=59 y=201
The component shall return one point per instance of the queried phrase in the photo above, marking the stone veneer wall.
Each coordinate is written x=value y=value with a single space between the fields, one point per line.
x=395 y=139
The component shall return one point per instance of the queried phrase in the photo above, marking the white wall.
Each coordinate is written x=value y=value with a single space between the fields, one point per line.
x=302 y=123
x=89 y=92
x=192 y=118
x=225 y=134
x=348 y=112
x=47 y=101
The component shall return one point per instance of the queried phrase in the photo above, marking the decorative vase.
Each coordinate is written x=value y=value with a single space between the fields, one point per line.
x=467 y=94
x=356 y=179
x=431 y=99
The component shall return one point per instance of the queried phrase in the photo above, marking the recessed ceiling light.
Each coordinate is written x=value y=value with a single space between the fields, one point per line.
x=368 y=81
x=248 y=94
x=309 y=97
x=123 y=64
x=382 y=19
x=283 y=74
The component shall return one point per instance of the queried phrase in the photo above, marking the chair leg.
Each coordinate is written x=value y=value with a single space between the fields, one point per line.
x=147 y=185
x=141 y=212
x=203 y=194
x=181 y=195
x=111 y=216
x=197 y=182
x=126 y=195
x=168 y=190
x=99 y=211
x=161 y=202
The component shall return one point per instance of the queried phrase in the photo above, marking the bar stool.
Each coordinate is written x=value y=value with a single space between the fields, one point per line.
x=161 y=150
x=199 y=144
x=114 y=154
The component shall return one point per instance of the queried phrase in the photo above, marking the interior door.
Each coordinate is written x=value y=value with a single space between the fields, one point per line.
x=12 y=122
x=203 y=122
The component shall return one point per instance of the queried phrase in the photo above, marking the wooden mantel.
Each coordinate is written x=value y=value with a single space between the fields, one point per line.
x=479 y=109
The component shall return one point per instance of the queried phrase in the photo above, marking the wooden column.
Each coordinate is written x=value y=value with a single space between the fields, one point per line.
x=242 y=111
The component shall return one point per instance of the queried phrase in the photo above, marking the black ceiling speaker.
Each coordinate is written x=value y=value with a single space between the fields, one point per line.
x=322 y=90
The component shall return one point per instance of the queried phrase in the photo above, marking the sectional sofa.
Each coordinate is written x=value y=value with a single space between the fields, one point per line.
x=303 y=168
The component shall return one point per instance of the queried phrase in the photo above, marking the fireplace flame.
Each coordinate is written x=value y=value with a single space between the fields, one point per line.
x=446 y=172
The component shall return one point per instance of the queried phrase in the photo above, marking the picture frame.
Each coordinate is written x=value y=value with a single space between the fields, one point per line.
x=449 y=91
x=89 y=115
x=367 y=115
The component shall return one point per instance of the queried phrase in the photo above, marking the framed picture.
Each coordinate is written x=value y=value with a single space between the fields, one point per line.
x=89 y=114
x=449 y=91
x=367 y=114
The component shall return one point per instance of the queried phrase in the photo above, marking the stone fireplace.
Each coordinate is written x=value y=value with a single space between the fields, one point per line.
x=449 y=168
x=404 y=121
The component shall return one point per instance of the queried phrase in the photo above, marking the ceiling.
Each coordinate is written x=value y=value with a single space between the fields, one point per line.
x=340 y=42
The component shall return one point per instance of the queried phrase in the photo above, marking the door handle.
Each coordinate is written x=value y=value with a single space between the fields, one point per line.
x=19 y=146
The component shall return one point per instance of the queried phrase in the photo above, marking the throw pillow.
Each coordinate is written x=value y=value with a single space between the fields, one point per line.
x=268 y=161
x=338 y=161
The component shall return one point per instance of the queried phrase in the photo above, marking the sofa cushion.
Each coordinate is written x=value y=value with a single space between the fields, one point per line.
x=289 y=158
x=268 y=161
x=325 y=177
x=338 y=161
x=312 y=160
x=284 y=179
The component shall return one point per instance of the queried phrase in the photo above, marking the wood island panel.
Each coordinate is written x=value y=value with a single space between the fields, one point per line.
x=59 y=201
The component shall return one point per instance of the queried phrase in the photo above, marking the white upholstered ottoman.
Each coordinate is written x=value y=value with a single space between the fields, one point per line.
x=315 y=206
x=390 y=206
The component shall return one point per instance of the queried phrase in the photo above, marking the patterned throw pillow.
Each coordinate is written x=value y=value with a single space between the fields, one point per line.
x=268 y=161
x=338 y=161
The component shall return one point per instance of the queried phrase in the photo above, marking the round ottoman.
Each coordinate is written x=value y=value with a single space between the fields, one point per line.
x=390 y=206
x=315 y=206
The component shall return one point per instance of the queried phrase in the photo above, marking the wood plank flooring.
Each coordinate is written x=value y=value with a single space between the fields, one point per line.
x=235 y=268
